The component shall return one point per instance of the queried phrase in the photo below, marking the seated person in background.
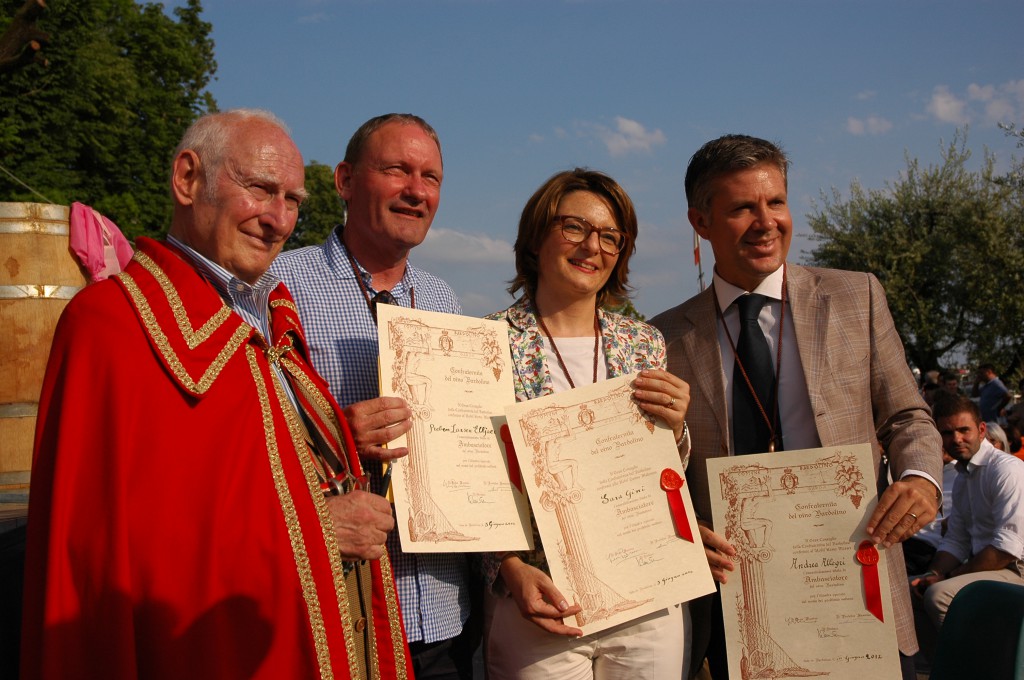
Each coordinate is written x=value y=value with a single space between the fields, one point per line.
x=919 y=549
x=951 y=382
x=985 y=534
x=996 y=436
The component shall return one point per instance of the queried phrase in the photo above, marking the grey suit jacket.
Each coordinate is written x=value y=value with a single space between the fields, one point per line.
x=859 y=385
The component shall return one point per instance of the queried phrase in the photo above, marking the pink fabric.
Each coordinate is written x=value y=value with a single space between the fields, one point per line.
x=99 y=244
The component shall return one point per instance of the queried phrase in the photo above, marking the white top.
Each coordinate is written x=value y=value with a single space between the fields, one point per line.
x=578 y=355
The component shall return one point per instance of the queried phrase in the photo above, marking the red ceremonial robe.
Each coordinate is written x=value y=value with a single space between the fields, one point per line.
x=176 y=525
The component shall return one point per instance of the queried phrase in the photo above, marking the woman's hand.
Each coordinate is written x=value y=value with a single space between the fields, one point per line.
x=662 y=394
x=537 y=597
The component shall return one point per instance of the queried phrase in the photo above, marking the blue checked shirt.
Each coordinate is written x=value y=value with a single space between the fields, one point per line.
x=433 y=588
x=251 y=302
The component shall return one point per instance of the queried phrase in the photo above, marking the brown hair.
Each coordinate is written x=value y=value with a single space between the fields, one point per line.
x=726 y=155
x=354 y=150
x=948 y=405
x=541 y=209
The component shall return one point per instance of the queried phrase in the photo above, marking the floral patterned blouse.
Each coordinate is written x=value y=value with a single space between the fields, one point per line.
x=629 y=347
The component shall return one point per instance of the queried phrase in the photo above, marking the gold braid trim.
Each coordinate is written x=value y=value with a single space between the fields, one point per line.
x=390 y=596
x=323 y=407
x=192 y=337
x=164 y=346
x=291 y=517
x=326 y=526
x=394 y=617
x=274 y=304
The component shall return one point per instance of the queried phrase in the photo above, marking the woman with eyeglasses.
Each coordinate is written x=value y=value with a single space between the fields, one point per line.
x=576 y=235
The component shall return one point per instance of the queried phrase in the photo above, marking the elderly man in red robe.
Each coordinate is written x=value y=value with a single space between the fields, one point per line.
x=197 y=509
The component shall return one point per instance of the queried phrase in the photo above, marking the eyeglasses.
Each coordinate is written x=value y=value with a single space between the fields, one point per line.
x=577 y=230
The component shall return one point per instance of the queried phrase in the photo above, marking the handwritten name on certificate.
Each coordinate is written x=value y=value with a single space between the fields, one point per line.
x=452 y=492
x=808 y=597
x=592 y=463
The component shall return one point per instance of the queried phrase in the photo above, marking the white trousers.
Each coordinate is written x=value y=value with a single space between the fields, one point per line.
x=940 y=595
x=655 y=647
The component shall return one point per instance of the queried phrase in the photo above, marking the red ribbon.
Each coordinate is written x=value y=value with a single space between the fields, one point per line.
x=672 y=482
x=514 y=475
x=867 y=555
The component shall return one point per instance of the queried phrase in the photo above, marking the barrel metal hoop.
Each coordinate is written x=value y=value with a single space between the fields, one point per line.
x=35 y=227
x=25 y=409
x=30 y=291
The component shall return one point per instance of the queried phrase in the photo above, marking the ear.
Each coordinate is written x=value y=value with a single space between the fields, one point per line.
x=186 y=177
x=699 y=222
x=983 y=429
x=343 y=180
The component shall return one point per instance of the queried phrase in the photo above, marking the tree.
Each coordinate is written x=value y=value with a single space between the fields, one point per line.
x=1015 y=177
x=21 y=41
x=947 y=243
x=322 y=210
x=97 y=122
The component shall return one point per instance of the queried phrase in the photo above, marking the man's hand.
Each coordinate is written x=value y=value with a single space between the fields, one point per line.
x=539 y=601
x=719 y=551
x=362 y=521
x=905 y=507
x=375 y=422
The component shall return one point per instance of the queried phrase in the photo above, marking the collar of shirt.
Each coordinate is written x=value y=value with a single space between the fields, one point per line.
x=337 y=255
x=727 y=293
x=251 y=302
x=980 y=458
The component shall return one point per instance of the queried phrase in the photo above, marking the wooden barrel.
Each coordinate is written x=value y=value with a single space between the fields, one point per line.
x=38 y=275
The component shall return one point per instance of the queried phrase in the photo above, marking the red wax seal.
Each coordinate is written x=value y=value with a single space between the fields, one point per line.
x=672 y=482
x=867 y=555
x=514 y=475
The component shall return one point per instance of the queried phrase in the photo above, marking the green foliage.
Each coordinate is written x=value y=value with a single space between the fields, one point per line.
x=321 y=211
x=947 y=243
x=99 y=123
x=628 y=310
x=1015 y=177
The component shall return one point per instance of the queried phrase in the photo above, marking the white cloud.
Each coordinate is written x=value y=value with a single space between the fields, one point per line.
x=1015 y=88
x=865 y=95
x=449 y=245
x=999 y=111
x=947 y=107
x=983 y=93
x=536 y=138
x=628 y=136
x=872 y=125
x=316 y=18
x=995 y=103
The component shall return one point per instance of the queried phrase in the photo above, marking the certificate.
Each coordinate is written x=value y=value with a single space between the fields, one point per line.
x=452 y=492
x=809 y=597
x=592 y=462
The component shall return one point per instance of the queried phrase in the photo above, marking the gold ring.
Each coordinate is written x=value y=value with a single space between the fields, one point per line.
x=913 y=515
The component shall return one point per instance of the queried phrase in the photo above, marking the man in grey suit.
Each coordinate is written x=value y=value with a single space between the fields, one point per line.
x=836 y=372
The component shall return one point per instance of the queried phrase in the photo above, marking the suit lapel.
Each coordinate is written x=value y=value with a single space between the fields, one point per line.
x=705 y=358
x=810 y=311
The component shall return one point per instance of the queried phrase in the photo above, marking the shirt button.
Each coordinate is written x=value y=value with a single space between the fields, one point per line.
x=360 y=624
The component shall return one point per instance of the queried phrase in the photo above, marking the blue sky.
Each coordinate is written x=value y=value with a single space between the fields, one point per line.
x=519 y=90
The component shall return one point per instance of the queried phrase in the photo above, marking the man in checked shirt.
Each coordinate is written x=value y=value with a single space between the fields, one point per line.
x=390 y=181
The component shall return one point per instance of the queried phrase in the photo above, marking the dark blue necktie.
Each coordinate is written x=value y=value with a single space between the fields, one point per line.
x=751 y=432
